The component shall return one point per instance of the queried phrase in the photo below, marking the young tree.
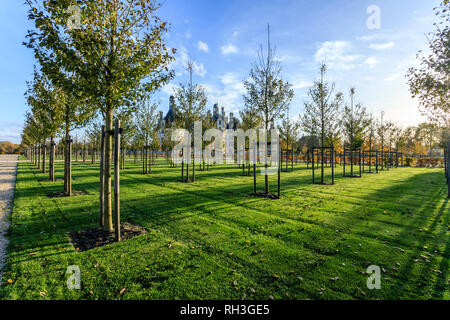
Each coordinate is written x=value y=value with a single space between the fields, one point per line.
x=428 y=134
x=289 y=131
x=117 y=53
x=250 y=119
x=430 y=83
x=370 y=132
x=94 y=134
x=268 y=95
x=381 y=129
x=320 y=116
x=190 y=107
x=145 y=123
x=33 y=130
x=46 y=105
x=354 y=123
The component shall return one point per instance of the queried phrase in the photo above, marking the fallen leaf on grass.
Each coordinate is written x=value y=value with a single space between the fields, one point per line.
x=122 y=291
x=438 y=271
x=334 y=279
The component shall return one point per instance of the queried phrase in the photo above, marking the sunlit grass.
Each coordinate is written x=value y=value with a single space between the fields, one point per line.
x=212 y=240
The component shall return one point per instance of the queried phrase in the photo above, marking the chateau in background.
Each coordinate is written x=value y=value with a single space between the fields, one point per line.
x=220 y=120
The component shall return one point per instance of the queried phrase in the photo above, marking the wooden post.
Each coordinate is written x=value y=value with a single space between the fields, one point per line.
x=102 y=181
x=313 y=178
x=44 y=152
x=52 y=160
x=193 y=166
x=182 y=165
x=360 y=163
x=254 y=169
x=279 y=170
x=76 y=150
x=84 y=151
x=69 y=167
x=117 y=180
x=66 y=156
x=142 y=158
x=332 y=165
x=448 y=170
x=39 y=155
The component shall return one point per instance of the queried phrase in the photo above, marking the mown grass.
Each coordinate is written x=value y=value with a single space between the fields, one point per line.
x=211 y=240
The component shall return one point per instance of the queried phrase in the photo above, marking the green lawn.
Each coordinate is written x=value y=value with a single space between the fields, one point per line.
x=211 y=240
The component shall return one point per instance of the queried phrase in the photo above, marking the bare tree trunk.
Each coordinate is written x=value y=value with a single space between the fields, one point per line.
x=52 y=159
x=69 y=167
x=102 y=179
x=44 y=152
x=107 y=217
x=117 y=180
x=39 y=155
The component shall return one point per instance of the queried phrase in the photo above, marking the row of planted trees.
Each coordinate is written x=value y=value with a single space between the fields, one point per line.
x=102 y=59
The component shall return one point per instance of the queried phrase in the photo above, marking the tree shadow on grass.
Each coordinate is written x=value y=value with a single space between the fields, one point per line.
x=159 y=202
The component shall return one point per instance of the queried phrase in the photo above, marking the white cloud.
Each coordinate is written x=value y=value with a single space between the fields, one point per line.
x=198 y=68
x=382 y=46
x=228 y=93
x=302 y=84
x=371 y=61
x=336 y=55
x=10 y=131
x=169 y=89
x=229 y=48
x=369 y=37
x=235 y=34
x=202 y=46
x=188 y=35
x=392 y=77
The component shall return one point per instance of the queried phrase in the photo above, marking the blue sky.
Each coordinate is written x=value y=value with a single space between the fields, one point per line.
x=223 y=37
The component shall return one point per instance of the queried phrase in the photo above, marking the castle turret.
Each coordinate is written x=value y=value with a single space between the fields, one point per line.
x=216 y=109
x=170 y=116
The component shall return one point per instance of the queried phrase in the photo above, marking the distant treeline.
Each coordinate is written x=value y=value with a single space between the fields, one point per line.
x=7 y=147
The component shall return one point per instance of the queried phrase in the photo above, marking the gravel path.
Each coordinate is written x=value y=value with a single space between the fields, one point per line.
x=8 y=172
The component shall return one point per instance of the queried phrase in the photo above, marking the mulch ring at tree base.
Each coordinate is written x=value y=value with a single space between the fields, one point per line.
x=269 y=195
x=63 y=194
x=94 y=237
